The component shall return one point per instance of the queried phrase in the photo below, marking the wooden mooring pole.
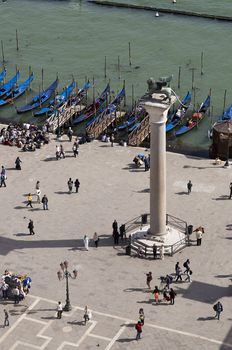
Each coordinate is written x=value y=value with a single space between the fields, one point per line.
x=129 y=48
x=105 y=68
x=179 y=73
x=3 y=57
x=202 y=62
x=119 y=75
x=17 y=40
x=224 y=101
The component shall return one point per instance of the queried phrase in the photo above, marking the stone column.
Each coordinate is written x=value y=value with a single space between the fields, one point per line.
x=158 y=115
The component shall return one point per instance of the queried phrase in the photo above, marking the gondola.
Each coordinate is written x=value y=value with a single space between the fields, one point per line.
x=57 y=102
x=39 y=99
x=4 y=89
x=94 y=107
x=128 y=123
x=227 y=115
x=16 y=92
x=2 y=75
x=178 y=115
x=111 y=107
x=195 y=119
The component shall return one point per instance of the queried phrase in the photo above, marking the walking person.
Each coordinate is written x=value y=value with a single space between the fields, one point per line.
x=112 y=140
x=70 y=185
x=87 y=315
x=172 y=296
x=162 y=252
x=115 y=225
x=139 y=330
x=59 y=310
x=189 y=186
x=77 y=185
x=154 y=248
x=86 y=242
x=156 y=295
x=6 y=318
x=15 y=292
x=31 y=227
x=45 y=202
x=146 y=163
x=218 y=308
x=230 y=191
x=116 y=237
x=29 y=200
x=75 y=149
x=178 y=272
x=37 y=185
x=70 y=133
x=57 y=152
x=188 y=278
x=3 y=177
x=149 y=279
x=38 y=194
x=141 y=316
x=62 y=153
x=96 y=239
x=122 y=232
x=186 y=264
x=17 y=163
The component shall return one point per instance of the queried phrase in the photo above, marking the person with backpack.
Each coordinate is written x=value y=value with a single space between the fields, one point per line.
x=186 y=265
x=139 y=330
x=218 y=308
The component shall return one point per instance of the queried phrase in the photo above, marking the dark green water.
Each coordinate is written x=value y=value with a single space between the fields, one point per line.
x=72 y=38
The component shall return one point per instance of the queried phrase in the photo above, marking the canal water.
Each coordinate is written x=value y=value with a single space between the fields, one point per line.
x=72 y=38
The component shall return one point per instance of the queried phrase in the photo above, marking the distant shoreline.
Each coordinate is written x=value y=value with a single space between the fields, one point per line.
x=161 y=10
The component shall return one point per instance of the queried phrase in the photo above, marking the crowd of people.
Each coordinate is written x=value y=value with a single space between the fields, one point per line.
x=28 y=137
x=14 y=286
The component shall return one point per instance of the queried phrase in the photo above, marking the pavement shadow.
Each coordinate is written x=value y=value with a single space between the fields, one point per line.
x=136 y=290
x=77 y=323
x=229 y=227
x=49 y=317
x=181 y=193
x=146 y=190
x=206 y=318
x=199 y=167
x=125 y=340
x=223 y=276
x=9 y=244
x=212 y=293
x=49 y=159
x=221 y=198
x=20 y=207
x=21 y=234
x=63 y=192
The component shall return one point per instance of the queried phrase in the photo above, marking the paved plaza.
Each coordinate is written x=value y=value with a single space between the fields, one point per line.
x=112 y=284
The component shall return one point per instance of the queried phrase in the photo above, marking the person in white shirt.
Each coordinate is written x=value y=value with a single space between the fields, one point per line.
x=59 y=310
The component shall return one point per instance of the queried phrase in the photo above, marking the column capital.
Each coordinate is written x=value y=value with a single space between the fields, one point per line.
x=158 y=109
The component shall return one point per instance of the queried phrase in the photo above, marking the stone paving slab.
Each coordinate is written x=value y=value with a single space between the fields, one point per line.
x=110 y=282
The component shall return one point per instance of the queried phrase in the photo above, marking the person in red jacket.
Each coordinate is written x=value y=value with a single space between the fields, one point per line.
x=139 y=330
